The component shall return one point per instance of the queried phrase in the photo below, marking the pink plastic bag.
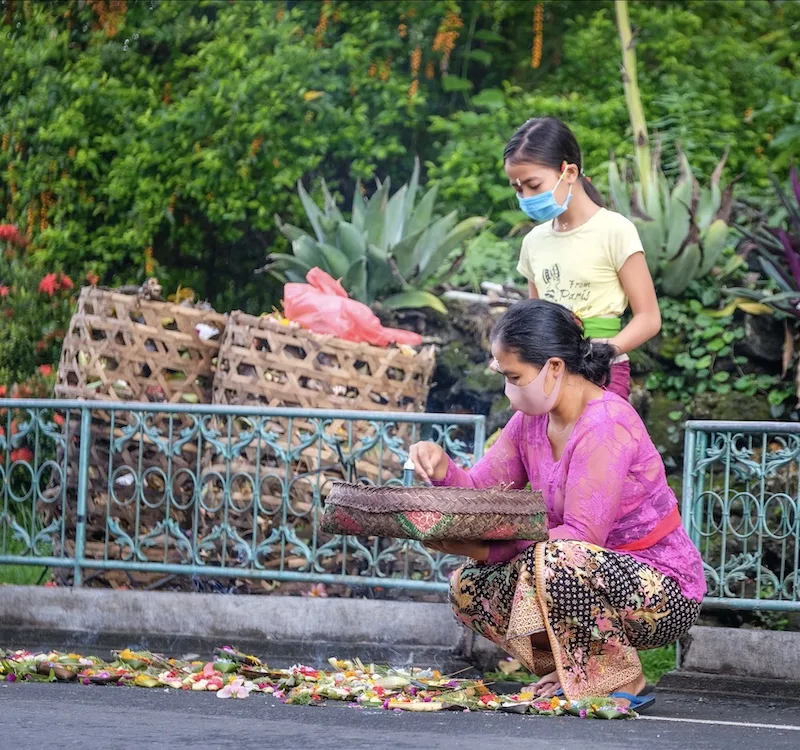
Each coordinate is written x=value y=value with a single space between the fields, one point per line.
x=322 y=306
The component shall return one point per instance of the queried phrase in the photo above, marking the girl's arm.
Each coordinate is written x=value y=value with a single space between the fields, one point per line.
x=646 y=322
x=533 y=292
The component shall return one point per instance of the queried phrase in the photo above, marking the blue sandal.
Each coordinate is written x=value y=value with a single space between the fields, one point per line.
x=638 y=703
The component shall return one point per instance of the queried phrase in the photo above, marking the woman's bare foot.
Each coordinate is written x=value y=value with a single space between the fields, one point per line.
x=547 y=686
x=634 y=687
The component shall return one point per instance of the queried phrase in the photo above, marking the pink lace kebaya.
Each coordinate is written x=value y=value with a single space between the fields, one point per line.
x=609 y=487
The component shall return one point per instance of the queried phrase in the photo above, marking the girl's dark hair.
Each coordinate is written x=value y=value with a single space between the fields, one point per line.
x=538 y=330
x=548 y=141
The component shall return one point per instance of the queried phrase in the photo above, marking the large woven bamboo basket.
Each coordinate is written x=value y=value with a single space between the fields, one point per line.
x=120 y=347
x=267 y=362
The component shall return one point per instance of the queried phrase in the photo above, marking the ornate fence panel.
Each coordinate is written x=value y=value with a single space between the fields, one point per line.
x=210 y=492
x=741 y=506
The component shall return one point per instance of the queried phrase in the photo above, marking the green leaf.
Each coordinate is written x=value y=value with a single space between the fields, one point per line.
x=336 y=260
x=312 y=211
x=380 y=279
x=481 y=56
x=289 y=231
x=713 y=244
x=411 y=194
x=487 y=35
x=351 y=241
x=331 y=209
x=403 y=252
x=679 y=219
x=423 y=212
x=431 y=239
x=413 y=300
x=618 y=190
x=358 y=206
x=491 y=99
x=394 y=219
x=454 y=83
x=374 y=216
x=355 y=280
x=679 y=272
x=456 y=237
x=652 y=240
x=308 y=251
x=675 y=416
x=284 y=261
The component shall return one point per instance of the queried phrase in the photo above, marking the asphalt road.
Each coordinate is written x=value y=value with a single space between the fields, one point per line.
x=96 y=718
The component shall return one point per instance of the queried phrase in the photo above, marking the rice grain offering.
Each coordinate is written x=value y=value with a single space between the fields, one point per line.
x=436 y=513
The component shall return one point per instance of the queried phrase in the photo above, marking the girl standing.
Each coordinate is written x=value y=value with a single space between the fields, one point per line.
x=582 y=256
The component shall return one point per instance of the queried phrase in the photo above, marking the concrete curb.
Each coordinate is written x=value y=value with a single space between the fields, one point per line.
x=285 y=627
x=758 y=654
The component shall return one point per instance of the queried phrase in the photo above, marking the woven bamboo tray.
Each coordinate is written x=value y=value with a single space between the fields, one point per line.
x=120 y=347
x=436 y=513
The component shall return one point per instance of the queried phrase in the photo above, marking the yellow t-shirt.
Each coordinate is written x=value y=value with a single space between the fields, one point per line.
x=579 y=268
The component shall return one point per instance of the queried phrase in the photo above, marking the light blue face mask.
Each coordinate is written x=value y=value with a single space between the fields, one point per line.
x=543 y=207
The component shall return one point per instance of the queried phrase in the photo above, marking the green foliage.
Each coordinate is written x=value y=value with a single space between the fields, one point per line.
x=184 y=130
x=389 y=250
x=703 y=347
x=684 y=230
x=778 y=249
x=489 y=258
x=36 y=306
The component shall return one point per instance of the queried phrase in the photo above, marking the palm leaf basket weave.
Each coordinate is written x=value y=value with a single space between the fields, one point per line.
x=435 y=513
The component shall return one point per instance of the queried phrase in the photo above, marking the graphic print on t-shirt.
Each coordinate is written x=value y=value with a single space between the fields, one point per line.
x=567 y=292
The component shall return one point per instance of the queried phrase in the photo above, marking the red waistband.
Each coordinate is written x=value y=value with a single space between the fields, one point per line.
x=665 y=526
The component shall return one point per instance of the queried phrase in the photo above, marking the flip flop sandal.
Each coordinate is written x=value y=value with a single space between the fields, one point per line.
x=638 y=703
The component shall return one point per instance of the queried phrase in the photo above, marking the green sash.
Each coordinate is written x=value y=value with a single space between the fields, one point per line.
x=601 y=328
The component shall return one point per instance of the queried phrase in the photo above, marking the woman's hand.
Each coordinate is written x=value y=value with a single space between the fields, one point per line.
x=476 y=550
x=430 y=461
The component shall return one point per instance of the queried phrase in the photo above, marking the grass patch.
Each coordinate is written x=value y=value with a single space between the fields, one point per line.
x=655 y=664
x=22 y=575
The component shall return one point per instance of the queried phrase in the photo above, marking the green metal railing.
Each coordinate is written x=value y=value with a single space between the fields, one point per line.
x=741 y=507
x=214 y=492
x=234 y=493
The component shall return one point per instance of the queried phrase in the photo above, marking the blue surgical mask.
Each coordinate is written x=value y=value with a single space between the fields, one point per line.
x=543 y=207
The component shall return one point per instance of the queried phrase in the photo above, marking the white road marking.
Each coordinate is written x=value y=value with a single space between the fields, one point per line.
x=787 y=727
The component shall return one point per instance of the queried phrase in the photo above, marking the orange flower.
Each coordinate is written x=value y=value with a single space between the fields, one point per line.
x=59 y=419
x=49 y=285
x=46 y=370
x=66 y=282
x=92 y=278
x=22 y=454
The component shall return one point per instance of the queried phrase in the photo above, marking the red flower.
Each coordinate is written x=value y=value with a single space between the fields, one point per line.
x=59 y=419
x=46 y=370
x=9 y=233
x=66 y=282
x=41 y=346
x=4 y=290
x=92 y=278
x=49 y=285
x=22 y=454
x=3 y=391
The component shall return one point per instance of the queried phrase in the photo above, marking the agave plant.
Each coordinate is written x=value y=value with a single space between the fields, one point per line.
x=778 y=251
x=392 y=249
x=684 y=230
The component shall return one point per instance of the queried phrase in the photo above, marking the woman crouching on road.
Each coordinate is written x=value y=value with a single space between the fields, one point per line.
x=619 y=573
